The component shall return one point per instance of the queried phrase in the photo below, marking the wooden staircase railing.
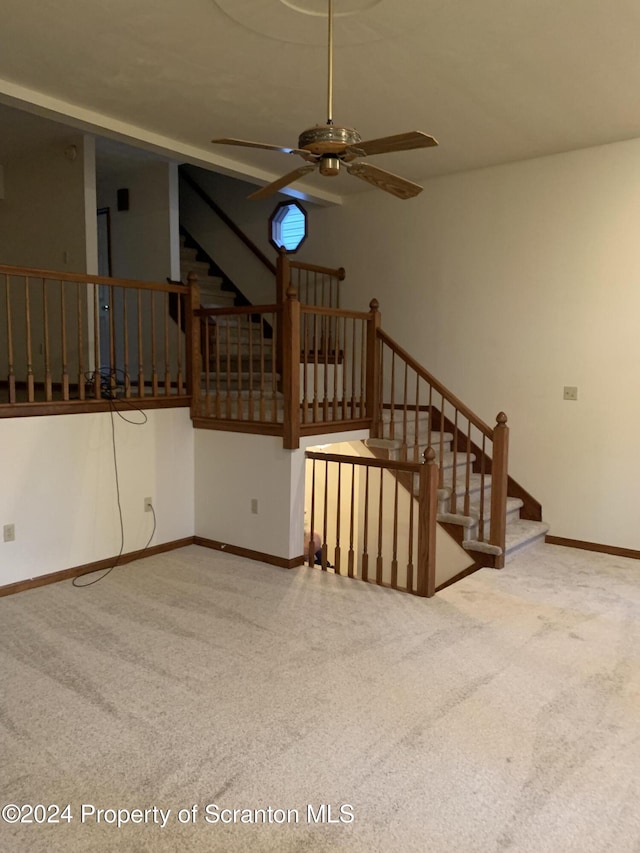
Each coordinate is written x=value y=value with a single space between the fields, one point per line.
x=368 y=527
x=75 y=342
x=408 y=397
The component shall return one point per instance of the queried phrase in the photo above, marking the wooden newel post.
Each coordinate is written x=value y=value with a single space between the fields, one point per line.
x=373 y=368
x=499 y=478
x=427 y=512
x=290 y=337
x=192 y=326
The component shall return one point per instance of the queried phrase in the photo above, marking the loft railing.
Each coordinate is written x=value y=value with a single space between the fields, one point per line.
x=73 y=342
x=369 y=526
x=413 y=406
x=249 y=381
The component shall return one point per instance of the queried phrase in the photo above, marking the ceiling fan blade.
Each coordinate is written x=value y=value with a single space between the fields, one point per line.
x=283 y=181
x=389 y=144
x=266 y=145
x=384 y=180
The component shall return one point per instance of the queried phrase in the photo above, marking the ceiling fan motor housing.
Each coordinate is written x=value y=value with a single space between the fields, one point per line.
x=328 y=139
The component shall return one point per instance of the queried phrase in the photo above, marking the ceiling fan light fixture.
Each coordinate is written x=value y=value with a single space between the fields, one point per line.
x=329 y=166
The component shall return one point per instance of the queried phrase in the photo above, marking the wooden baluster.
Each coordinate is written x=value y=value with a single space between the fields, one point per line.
x=240 y=413
x=311 y=555
x=112 y=342
x=430 y=421
x=180 y=377
x=11 y=369
x=291 y=370
x=97 y=372
x=262 y=369
x=27 y=306
x=125 y=328
x=373 y=370
x=427 y=511
x=206 y=365
x=343 y=348
x=154 y=364
x=341 y=277
x=80 y=338
x=365 y=528
x=227 y=382
x=467 y=482
x=189 y=326
x=48 y=388
x=454 y=470
x=194 y=357
x=352 y=523
x=214 y=329
x=65 y=357
x=274 y=369
x=411 y=535
x=483 y=459
x=364 y=376
x=405 y=435
x=167 y=365
x=249 y=325
x=305 y=365
x=416 y=426
x=394 y=557
x=352 y=352
x=315 y=369
x=499 y=483
x=392 y=407
x=325 y=397
x=324 y=558
x=335 y=321
x=441 y=455
x=336 y=553
x=379 y=561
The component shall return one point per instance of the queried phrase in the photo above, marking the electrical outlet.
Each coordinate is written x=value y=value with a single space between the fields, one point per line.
x=254 y=506
x=9 y=532
x=570 y=392
x=148 y=504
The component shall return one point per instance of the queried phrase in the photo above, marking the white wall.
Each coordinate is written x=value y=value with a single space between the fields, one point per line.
x=144 y=239
x=234 y=468
x=58 y=487
x=42 y=216
x=509 y=283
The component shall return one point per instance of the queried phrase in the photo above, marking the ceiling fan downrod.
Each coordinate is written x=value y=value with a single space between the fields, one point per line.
x=330 y=75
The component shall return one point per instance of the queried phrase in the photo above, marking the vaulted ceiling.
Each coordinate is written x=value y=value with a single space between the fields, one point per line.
x=494 y=81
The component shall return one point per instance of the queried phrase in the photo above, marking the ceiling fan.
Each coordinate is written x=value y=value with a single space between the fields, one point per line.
x=328 y=147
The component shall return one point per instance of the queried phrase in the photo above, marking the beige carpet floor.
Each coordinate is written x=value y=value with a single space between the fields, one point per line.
x=503 y=715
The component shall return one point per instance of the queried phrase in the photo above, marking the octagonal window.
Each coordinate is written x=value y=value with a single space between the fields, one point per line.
x=288 y=226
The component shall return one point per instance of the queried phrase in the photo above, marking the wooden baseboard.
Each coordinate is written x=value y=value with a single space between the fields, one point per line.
x=593 y=546
x=66 y=574
x=281 y=562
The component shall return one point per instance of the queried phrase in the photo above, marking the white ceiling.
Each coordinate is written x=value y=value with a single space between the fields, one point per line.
x=494 y=81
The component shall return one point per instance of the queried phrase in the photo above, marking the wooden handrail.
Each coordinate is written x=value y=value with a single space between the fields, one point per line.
x=334 y=312
x=391 y=464
x=438 y=386
x=335 y=273
x=57 y=275
x=224 y=217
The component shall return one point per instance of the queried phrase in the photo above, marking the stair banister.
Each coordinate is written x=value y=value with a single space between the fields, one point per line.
x=499 y=484
x=427 y=512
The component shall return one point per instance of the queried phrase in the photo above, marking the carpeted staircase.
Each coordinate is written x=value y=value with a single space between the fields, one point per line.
x=520 y=532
